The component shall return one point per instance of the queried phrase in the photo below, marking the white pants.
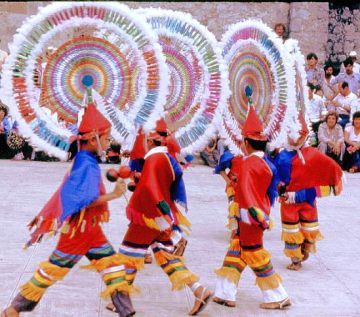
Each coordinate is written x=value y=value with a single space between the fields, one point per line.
x=227 y=290
x=275 y=294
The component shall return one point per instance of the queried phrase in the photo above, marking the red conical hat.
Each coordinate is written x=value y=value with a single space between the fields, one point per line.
x=161 y=126
x=93 y=121
x=138 y=150
x=253 y=127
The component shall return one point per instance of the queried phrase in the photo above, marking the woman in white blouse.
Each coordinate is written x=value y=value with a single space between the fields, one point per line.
x=331 y=137
x=352 y=140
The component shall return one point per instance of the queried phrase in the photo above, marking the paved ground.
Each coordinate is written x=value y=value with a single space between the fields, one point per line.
x=328 y=285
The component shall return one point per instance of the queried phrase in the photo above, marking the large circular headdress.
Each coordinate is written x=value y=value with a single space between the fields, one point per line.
x=198 y=80
x=128 y=75
x=256 y=58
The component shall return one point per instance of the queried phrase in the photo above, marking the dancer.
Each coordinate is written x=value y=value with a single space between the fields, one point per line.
x=180 y=222
x=304 y=173
x=224 y=295
x=77 y=208
x=152 y=212
x=255 y=191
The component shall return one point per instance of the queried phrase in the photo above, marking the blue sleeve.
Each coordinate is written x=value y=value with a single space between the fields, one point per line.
x=224 y=162
x=272 y=191
x=178 y=191
x=80 y=189
x=305 y=195
x=283 y=164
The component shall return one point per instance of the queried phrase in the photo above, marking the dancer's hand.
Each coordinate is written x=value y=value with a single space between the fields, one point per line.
x=120 y=187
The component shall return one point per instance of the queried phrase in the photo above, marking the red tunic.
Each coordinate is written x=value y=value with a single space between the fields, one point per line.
x=253 y=182
x=154 y=186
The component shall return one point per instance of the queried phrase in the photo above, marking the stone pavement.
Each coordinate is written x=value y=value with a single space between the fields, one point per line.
x=328 y=285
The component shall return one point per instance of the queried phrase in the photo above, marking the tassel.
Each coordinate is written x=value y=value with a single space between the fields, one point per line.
x=45 y=276
x=229 y=273
x=230 y=192
x=55 y=272
x=31 y=292
x=66 y=228
x=183 y=221
x=234 y=210
x=137 y=263
x=105 y=216
x=269 y=282
x=150 y=223
x=256 y=258
x=312 y=236
x=323 y=191
x=234 y=245
x=180 y=279
x=294 y=253
x=122 y=287
x=290 y=237
x=83 y=226
x=232 y=223
x=101 y=264
x=162 y=257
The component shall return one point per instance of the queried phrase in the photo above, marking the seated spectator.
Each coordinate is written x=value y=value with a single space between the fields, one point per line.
x=210 y=155
x=5 y=127
x=316 y=110
x=314 y=75
x=280 y=30
x=352 y=141
x=349 y=76
x=328 y=89
x=356 y=66
x=331 y=137
x=15 y=142
x=342 y=103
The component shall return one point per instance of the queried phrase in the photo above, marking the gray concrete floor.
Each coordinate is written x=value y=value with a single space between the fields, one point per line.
x=328 y=285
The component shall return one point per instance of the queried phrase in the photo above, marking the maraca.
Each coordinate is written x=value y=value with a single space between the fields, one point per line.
x=112 y=174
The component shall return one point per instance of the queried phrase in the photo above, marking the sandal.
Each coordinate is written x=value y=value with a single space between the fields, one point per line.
x=223 y=302
x=203 y=299
x=276 y=305
x=294 y=266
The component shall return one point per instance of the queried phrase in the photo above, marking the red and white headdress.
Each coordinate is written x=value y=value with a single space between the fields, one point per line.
x=253 y=127
x=92 y=123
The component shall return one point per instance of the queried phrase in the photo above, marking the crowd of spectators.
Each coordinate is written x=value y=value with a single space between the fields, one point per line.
x=334 y=106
